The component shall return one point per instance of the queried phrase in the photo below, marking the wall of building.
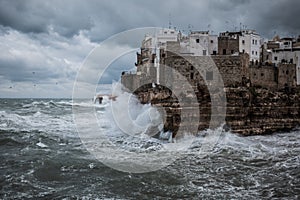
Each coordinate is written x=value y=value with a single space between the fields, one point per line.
x=264 y=76
x=233 y=69
x=266 y=56
x=227 y=45
x=255 y=47
x=202 y=43
x=165 y=35
x=298 y=74
x=130 y=81
x=287 y=75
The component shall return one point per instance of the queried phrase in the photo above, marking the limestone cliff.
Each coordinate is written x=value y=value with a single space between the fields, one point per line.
x=249 y=110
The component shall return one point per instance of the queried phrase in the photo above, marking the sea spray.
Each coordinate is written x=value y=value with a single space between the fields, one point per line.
x=129 y=116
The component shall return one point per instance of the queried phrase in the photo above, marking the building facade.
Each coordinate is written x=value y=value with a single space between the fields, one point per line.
x=245 y=41
x=283 y=51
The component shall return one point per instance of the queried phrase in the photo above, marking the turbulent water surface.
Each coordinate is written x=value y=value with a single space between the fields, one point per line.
x=43 y=157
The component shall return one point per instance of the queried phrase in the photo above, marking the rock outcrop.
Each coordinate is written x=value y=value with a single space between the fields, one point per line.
x=249 y=110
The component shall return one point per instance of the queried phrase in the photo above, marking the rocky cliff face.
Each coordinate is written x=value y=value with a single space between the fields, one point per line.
x=249 y=110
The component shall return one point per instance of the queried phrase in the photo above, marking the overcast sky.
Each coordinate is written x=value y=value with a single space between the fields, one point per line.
x=43 y=43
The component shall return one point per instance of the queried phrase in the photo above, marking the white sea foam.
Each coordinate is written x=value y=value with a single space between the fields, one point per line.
x=42 y=145
x=129 y=116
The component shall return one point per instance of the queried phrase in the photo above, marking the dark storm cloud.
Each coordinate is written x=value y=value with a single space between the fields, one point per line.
x=53 y=37
x=283 y=17
x=227 y=5
x=101 y=19
x=40 y=16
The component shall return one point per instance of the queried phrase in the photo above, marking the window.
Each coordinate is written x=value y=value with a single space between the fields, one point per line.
x=252 y=41
x=214 y=52
x=209 y=75
x=252 y=52
x=211 y=41
x=192 y=76
x=192 y=67
x=243 y=50
x=255 y=42
x=291 y=60
x=267 y=57
x=224 y=51
x=275 y=58
x=204 y=52
x=232 y=51
x=197 y=40
x=243 y=41
x=262 y=74
x=255 y=52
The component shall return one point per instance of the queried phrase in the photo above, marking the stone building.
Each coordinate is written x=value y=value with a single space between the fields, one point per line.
x=179 y=52
x=153 y=49
x=283 y=51
x=264 y=76
x=244 y=41
x=228 y=43
x=200 y=43
x=260 y=97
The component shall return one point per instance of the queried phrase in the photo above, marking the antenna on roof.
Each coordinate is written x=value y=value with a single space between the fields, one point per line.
x=190 y=26
x=208 y=27
x=170 y=24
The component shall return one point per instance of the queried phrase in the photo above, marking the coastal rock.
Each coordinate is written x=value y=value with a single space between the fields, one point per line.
x=249 y=110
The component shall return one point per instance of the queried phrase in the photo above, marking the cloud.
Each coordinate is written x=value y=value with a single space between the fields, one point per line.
x=42 y=16
x=100 y=19
x=281 y=17
x=43 y=59
x=43 y=43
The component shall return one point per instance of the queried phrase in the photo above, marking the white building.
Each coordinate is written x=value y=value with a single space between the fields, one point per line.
x=244 y=41
x=201 y=43
x=288 y=51
x=197 y=43
x=166 y=35
x=250 y=42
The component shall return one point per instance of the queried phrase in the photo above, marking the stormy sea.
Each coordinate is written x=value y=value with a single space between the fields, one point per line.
x=43 y=157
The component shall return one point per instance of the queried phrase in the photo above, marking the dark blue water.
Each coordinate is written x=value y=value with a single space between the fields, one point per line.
x=42 y=157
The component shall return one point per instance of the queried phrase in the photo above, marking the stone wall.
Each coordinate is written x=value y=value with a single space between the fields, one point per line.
x=130 y=81
x=197 y=70
x=264 y=76
x=259 y=99
x=233 y=69
x=227 y=45
x=287 y=75
x=145 y=74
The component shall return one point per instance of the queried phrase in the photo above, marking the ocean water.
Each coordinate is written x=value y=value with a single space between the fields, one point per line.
x=43 y=157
